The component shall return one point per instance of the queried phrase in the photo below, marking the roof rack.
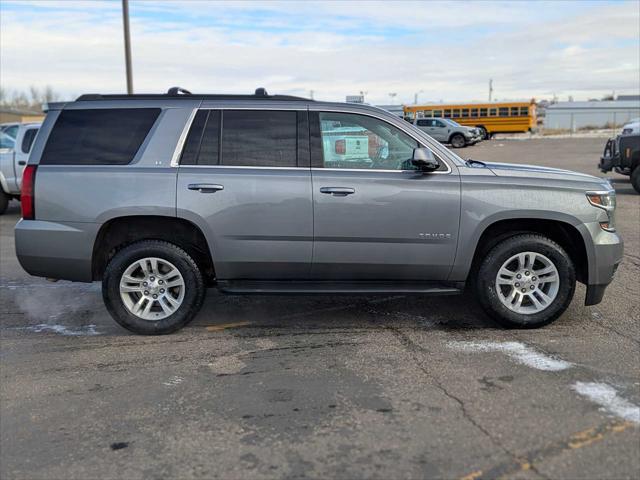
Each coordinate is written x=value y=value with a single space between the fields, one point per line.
x=180 y=93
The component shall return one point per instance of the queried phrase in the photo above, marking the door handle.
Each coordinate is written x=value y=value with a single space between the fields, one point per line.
x=205 y=187
x=338 y=191
x=22 y=162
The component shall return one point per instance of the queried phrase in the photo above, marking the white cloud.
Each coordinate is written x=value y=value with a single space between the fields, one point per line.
x=77 y=47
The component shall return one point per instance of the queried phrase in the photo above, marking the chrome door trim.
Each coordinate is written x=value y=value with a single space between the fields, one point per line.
x=177 y=153
x=244 y=167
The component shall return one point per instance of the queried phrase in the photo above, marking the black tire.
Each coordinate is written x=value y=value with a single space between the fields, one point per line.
x=483 y=133
x=193 y=295
x=457 y=140
x=486 y=290
x=635 y=179
x=4 y=201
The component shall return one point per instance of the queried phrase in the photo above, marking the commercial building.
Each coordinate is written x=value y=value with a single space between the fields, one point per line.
x=20 y=116
x=595 y=114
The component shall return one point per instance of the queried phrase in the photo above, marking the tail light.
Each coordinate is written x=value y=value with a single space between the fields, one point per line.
x=341 y=147
x=27 y=197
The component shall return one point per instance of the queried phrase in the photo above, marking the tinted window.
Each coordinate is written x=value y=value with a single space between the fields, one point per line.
x=424 y=123
x=27 y=139
x=465 y=112
x=259 y=138
x=192 y=144
x=503 y=112
x=447 y=114
x=483 y=112
x=514 y=111
x=202 y=146
x=362 y=142
x=437 y=113
x=524 y=111
x=474 y=112
x=210 y=143
x=493 y=112
x=438 y=123
x=98 y=137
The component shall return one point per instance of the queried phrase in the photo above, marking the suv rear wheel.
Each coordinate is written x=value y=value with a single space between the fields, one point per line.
x=152 y=287
x=526 y=281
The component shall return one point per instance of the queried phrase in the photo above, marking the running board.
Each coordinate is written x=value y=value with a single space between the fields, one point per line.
x=247 y=287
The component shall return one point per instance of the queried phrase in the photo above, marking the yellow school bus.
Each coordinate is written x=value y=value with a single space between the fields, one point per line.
x=490 y=118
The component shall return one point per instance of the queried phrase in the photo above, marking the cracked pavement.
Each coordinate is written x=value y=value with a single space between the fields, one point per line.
x=321 y=387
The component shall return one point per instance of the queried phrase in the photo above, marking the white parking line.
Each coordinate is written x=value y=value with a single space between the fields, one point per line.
x=517 y=351
x=607 y=397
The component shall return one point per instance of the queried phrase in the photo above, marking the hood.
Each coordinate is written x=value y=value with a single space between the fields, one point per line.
x=516 y=170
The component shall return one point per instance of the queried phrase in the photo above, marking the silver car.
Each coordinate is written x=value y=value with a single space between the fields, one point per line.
x=449 y=131
x=161 y=196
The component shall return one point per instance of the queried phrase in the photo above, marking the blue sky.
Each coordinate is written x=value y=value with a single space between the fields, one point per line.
x=443 y=50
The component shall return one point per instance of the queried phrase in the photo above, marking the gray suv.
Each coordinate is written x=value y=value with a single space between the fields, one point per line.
x=161 y=196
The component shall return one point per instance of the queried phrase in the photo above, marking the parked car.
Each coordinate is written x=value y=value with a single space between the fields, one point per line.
x=448 y=131
x=622 y=154
x=632 y=127
x=15 y=144
x=160 y=196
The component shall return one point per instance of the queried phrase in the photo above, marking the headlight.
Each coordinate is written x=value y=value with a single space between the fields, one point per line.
x=607 y=202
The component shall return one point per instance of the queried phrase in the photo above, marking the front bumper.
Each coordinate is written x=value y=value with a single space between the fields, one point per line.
x=605 y=255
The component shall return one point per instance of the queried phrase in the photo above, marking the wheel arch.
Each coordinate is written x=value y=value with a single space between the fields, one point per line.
x=118 y=232
x=567 y=235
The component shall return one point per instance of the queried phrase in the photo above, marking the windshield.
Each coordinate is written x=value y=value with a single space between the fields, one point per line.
x=6 y=141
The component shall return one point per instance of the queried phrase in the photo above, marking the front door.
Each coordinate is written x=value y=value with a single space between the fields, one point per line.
x=375 y=216
x=244 y=178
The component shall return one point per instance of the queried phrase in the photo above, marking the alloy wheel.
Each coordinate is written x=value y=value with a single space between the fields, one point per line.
x=152 y=288
x=527 y=283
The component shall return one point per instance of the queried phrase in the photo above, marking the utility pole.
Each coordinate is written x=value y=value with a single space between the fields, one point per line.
x=127 y=45
x=490 y=88
x=415 y=96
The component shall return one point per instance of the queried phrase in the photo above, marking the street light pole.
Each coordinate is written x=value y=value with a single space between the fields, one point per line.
x=127 y=45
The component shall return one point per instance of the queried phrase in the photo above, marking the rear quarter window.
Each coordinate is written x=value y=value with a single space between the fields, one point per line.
x=27 y=139
x=98 y=136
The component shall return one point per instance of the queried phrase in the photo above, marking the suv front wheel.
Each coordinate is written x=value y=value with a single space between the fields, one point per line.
x=152 y=287
x=526 y=281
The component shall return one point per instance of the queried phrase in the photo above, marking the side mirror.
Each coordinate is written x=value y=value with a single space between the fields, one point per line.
x=424 y=160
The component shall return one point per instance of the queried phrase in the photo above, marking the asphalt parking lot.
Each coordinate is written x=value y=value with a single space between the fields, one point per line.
x=325 y=387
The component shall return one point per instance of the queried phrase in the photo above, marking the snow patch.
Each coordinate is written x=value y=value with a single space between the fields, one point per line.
x=85 y=330
x=607 y=397
x=173 y=381
x=517 y=351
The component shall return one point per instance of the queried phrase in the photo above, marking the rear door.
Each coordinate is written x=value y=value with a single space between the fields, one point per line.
x=433 y=128
x=244 y=178
x=378 y=218
x=440 y=131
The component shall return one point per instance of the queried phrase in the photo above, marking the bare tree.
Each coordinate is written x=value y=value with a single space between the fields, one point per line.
x=33 y=100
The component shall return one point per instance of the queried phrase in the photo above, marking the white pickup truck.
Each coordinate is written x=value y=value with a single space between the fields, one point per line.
x=16 y=140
